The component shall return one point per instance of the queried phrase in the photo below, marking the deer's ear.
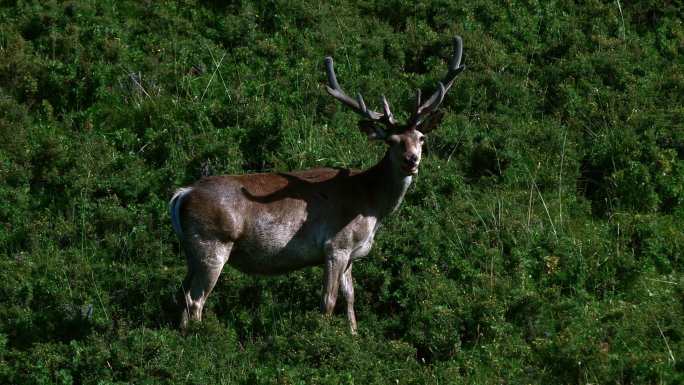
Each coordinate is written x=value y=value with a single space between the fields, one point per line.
x=372 y=130
x=431 y=122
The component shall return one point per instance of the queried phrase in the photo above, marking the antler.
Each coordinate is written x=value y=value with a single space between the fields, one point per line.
x=422 y=110
x=455 y=67
x=357 y=105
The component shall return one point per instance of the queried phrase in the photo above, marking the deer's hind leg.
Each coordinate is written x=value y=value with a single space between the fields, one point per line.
x=205 y=263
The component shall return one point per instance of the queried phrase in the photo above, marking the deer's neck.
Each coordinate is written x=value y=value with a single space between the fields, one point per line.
x=387 y=186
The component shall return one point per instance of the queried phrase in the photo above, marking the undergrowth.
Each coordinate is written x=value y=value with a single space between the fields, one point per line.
x=541 y=243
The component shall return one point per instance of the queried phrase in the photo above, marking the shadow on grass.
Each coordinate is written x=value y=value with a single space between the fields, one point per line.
x=63 y=324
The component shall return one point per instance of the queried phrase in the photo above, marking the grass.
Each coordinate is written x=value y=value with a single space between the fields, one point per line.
x=541 y=242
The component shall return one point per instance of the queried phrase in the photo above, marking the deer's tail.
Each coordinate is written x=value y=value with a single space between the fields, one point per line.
x=174 y=209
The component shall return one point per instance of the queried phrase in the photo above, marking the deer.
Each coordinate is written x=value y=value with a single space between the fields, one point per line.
x=275 y=223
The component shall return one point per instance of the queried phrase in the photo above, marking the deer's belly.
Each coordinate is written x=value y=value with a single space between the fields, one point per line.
x=278 y=248
x=281 y=245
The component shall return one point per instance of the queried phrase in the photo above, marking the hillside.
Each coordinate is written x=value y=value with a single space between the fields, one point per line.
x=541 y=242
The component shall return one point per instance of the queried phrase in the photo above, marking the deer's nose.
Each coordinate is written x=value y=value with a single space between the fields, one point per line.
x=411 y=159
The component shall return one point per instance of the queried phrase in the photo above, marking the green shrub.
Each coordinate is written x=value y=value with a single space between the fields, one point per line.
x=540 y=243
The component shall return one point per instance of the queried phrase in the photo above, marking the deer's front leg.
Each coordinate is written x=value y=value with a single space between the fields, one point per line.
x=335 y=264
x=347 y=286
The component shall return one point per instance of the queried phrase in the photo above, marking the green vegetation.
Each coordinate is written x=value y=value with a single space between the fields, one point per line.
x=541 y=243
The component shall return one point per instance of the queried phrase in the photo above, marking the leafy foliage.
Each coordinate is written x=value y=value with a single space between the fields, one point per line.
x=541 y=243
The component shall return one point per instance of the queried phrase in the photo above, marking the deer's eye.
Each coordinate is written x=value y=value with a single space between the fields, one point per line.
x=422 y=139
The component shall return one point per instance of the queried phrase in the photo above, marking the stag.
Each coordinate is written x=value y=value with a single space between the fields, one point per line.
x=274 y=223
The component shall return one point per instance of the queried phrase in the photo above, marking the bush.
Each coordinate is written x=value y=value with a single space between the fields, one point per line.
x=540 y=243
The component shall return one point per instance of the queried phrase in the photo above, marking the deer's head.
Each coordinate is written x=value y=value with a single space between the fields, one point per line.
x=405 y=141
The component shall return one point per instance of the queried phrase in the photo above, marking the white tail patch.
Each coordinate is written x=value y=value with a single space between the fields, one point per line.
x=174 y=209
